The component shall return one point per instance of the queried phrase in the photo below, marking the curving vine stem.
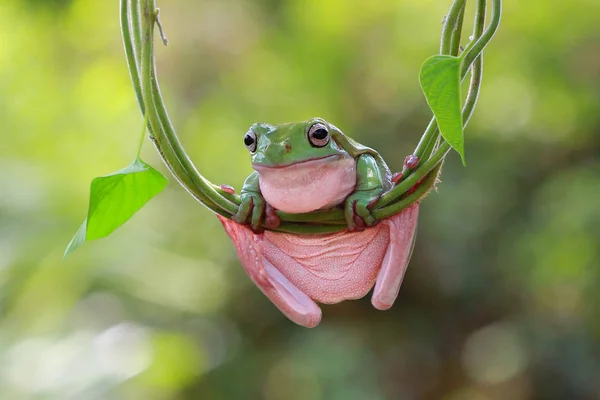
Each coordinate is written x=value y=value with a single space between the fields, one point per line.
x=138 y=21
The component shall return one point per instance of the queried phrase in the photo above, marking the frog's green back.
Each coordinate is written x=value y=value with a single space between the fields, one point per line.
x=355 y=149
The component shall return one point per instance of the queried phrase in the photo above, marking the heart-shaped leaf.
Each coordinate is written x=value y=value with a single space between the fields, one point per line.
x=114 y=199
x=440 y=80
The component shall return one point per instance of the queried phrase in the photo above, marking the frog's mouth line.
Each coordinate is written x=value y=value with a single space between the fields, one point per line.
x=304 y=163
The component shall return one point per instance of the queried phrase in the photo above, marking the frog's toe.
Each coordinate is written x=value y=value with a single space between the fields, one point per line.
x=240 y=219
x=358 y=217
x=358 y=223
x=354 y=221
x=244 y=210
x=258 y=212
x=361 y=208
x=357 y=211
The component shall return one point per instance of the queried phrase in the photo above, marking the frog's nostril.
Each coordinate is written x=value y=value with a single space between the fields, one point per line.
x=288 y=147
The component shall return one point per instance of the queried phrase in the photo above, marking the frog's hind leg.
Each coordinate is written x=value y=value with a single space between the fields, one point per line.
x=290 y=300
x=402 y=228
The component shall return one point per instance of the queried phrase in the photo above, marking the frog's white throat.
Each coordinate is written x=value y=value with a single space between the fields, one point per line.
x=309 y=185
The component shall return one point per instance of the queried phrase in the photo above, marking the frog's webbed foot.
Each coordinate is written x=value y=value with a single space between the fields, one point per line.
x=402 y=228
x=290 y=300
x=357 y=209
x=254 y=210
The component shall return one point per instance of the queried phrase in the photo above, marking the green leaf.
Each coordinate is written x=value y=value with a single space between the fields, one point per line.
x=77 y=240
x=114 y=199
x=440 y=80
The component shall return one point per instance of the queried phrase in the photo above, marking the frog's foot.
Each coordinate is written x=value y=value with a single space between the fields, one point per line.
x=255 y=211
x=251 y=210
x=357 y=210
x=291 y=301
x=402 y=228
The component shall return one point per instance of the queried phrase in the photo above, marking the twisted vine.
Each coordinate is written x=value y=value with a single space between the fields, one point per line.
x=138 y=21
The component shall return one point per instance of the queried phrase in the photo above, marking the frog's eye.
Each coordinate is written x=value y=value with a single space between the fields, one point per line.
x=250 y=141
x=318 y=135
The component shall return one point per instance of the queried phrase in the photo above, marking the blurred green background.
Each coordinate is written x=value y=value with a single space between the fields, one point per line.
x=500 y=301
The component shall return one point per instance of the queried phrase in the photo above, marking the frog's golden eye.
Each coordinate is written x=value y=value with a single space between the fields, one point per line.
x=250 y=141
x=318 y=135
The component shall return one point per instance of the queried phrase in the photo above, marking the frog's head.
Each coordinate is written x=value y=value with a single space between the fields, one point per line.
x=301 y=167
x=293 y=143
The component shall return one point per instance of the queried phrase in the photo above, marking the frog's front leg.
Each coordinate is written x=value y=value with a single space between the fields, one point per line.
x=253 y=207
x=370 y=181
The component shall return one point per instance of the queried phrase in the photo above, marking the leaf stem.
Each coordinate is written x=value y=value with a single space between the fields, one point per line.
x=486 y=36
x=161 y=31
x=142 y=137
x=424 y=188
x=452 y=26
x=457 y=32
x=154 y=103
x=131 y=29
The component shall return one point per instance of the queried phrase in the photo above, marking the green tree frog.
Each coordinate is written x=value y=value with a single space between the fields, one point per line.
x=308 y=166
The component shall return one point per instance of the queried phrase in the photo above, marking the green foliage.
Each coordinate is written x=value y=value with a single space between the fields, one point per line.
x=114 y=198
x=440 y=81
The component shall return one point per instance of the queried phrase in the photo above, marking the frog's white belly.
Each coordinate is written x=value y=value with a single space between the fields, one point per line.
x=310 y=185
x=329 y=268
